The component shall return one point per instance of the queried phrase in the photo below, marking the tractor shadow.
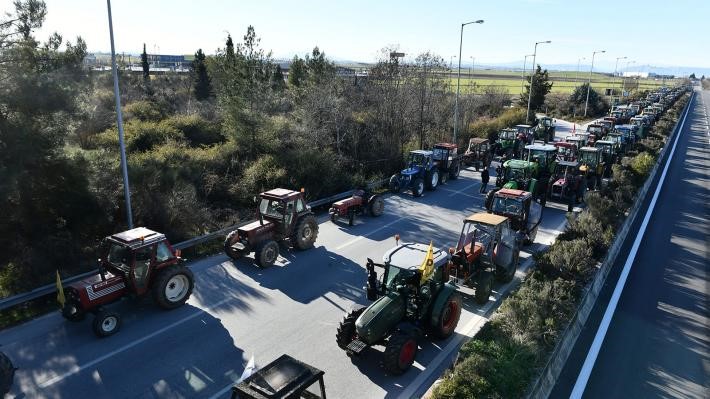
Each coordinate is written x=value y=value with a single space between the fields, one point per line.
x=114 y=367
x=213 y=283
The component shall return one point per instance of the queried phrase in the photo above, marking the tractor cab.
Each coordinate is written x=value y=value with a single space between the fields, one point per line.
x=545 y=129
x=444 y=153
x=478 y=153
x=521 y=209
x=418 y=160
x=507 y=142
x=619 y=116
x=609 y=122
x=133 y=255
x=608 y=150
x=577 y=140
x=282 y=207
x=545 y=155
x=566 y=151
x=589 y=158
x=526 y=133
x=619 y=143
x=597 y=130
x=629 y=133
x=516 y=174
x=565 y=184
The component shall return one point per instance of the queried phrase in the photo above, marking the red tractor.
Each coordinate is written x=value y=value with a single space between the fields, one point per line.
x=133 y=263
x=282 y=215
x=447 y=161
x=360 y=202
x=566 y=151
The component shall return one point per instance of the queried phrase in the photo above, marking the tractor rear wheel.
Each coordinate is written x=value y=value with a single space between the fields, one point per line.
x=106 y=323
x=504 y=275
x=376 y=206
x=228 y=241
x=444 y=177
x=448 y=319
x=346 y=332
x=173 y=286
x=7 y=374
x=418 y=187
x=400 y=352
x=432 y=179
x=483 y=287
x=306 y=232
x=455 y=171
x=266 y=253
x=395 y=185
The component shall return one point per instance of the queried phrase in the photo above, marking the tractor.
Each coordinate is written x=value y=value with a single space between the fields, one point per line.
x=591 y=166
x=607 y=123
x=518 y=206
x=566 y=151
x=507 y=143
x=135 y=262
x=544 y=155
x=545 y=129
x=488 y=247
x=567 y=184
x=617 y=138
x=629 y=134
x=478 y=153
x=446 y=161
x=520 y=175
x=421 y=172
x=7 y=374
x=577 y=141
x=526 y=133
x=359 y=203
x=597 y=130
x=609 y=154
x=282 y=215
x=642 y=124
x=410 y=301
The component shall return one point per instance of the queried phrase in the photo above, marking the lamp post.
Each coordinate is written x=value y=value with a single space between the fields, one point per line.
x=522 y=75
x=589 y=85
x=119 y=122
x=532 y=77
x=458 y=79
x=623 y=80
x=616 y=66
x=576 y=76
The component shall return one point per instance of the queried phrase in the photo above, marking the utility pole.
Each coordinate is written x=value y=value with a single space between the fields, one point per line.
x=589 y=85
x=522 y=75
x=458 y=79
x=532 y=78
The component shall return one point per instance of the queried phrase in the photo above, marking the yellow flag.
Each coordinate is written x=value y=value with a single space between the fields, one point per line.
x=60 y=291
x=427 y=266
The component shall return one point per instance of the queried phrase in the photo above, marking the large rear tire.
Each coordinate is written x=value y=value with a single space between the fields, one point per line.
x=447 y=321
x=432 y=179
x=346 y=332
x=7 y=374
x=418 y=187
x=376 y=206
x=400 y=352
x=106 y=323
x=306 y=232
x=173 y=286
x=455 y=171
x=266 y=253
x=483 y=287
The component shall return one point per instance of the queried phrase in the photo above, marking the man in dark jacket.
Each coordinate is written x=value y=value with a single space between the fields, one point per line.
x=484 y=180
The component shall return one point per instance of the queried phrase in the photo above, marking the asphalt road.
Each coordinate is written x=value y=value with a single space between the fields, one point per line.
x=238 y=311
x=658 y=339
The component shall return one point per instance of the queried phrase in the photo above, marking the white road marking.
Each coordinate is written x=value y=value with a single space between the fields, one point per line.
x=591 y=358
x=358 y=238
x=463 y=189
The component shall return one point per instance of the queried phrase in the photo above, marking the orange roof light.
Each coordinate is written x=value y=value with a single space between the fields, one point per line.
x=396 y=238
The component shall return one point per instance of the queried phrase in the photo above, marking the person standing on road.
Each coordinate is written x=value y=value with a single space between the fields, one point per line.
x=484 y=180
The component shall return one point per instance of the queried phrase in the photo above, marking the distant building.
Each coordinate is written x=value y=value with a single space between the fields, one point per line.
x=630 y=74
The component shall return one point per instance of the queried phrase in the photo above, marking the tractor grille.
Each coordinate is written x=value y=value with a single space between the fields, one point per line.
x=93 y=295
x=356 y=347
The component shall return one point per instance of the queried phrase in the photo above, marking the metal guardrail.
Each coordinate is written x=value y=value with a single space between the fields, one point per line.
x=39 y=292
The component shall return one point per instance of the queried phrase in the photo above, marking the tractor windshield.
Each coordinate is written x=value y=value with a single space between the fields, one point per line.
x=514 y=174
x=440 y=154
x=508 y=135
x=589 y=157
x=119 y=256
x=416 y=159
x=271 y=208
x=594 y=129
x=475 y=233
x=547 y=122
x=510 y=206
x=397 y=276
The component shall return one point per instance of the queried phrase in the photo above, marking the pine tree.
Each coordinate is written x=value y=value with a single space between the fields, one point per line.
x=298 y=72
x=277 y=79
x=541 y=86
x=145 y=65
x=202 y=81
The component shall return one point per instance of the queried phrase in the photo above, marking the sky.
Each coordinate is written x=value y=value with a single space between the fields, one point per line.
x=649 y=32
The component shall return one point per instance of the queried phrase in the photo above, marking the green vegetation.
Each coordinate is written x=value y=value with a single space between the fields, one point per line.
x=509 y=351
x=536 y=89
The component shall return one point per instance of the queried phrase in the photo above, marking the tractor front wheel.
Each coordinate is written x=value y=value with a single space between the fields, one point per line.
x=400 y=353
x=483 y=287
x=7 y=374
x=266 y=253
x=306 y=232
x=346 y=332
x=73 y=311
x=106 y=323
x=173 y=286
x=449 y=317
x=432 y=179
x=376 y=206
x=506 y=275
x=418 y=187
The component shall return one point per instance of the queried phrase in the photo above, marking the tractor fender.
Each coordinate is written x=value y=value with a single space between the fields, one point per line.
x=379 y=319
x=446 y=291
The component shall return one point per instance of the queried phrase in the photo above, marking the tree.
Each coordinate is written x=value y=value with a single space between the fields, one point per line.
x=692 y=76
x=145 y=65
x=319 y=68
x=541 y=86
x=578 y=98
x=277 y=79
x=202 y=81
x=298 y=72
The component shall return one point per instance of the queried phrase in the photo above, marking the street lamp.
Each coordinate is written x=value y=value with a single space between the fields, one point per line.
x=522 y=75
x=589 y=85
x=532 y=77
x=616 y=66
x=119 y=121
x=458 y=79
x=623 y=86
x=576 y=76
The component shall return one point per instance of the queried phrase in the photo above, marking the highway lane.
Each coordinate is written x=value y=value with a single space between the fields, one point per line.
x=658 y=339
x=238 y=311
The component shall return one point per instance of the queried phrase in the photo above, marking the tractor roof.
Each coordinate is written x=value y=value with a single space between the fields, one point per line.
x=421 y=152
x=486 y=218
x=572 y=138
x=448 y=146
x=525 y=126
x=540 y=147
x=573 y=164
x=517 y=164
x=477 y=140
x=568 y=145
x=411 y=255
x=138 y=237
x=604 y=142
x=512 y=193
x=279 y=193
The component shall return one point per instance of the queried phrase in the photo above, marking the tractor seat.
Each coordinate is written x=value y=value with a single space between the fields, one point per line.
x=472 y=255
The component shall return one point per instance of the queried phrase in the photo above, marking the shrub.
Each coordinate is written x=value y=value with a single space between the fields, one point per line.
x=642 y=164
x=143 y=110
x=603 y=209
x=196 y=130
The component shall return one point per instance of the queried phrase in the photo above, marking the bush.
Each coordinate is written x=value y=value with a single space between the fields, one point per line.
x=603 y=209
x=143 y=110
x=196 y=130
x=139 y=136
x=642 y=164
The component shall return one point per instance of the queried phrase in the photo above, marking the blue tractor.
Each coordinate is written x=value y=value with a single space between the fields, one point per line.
x=420 y=173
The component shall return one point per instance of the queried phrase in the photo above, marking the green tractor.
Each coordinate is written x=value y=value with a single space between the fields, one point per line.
x=609 y=151
x=545 y=129
x=409 y=303
x=507 y=143
x=544 y=155
x=519 y=175
x=591 y=166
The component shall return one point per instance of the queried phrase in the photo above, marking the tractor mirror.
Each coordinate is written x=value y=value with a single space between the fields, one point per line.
x=255 y=199
x=178 y=253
